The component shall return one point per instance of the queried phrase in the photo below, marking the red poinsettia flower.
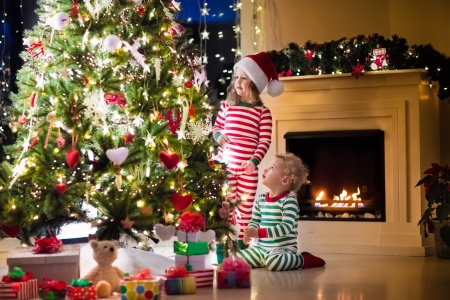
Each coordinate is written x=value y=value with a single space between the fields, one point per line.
x=435 y=169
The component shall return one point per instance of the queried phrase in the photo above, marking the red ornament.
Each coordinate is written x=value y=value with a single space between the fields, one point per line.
x=181 y=202
x=61 y=188
x=282 y=74
x=176 y=29
x=11 y=230
x=115 y=99
x=309 y=54
x=34 y=141
x=141 y=10
x=33 y=99
x=38 y=46
x=211 y=162
x=73 y=157
x=169 y=160
x=358 y=70
x=60 y=141
x=85 y=80
x=22 y=119
x=288 y=73
x=129 y=138
x=74 y=10
x=188 y=84
x=191 y=111
x=173 y=119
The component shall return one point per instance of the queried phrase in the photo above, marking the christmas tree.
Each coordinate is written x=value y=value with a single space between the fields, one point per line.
x=111 y=114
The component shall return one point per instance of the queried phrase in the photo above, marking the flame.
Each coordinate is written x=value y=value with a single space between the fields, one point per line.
x=320 y=196
x=355 y=195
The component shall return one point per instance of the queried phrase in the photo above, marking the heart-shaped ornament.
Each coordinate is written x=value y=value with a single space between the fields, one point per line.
x=181 y=202
x=164 y=233
x=73 y=157
x=11 y=230
x=61 y=188
x=236 y=229
x=224 y=212
x=117 y=156
x=169 y=160
x=207 y=236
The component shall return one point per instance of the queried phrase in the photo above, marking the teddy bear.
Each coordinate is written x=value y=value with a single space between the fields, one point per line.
x=105 y=276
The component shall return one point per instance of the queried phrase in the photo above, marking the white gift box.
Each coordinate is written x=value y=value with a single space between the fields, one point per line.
x=204 y=278
x=197 y=262
x=19 y=290
x=191 y=237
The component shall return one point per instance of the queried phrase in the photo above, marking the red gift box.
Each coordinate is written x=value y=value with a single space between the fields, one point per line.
x=204 y=278
x=233 y=279
x=81 y=293
x=19 y=290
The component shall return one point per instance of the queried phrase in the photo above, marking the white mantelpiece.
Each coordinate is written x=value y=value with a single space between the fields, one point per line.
x=406 y=108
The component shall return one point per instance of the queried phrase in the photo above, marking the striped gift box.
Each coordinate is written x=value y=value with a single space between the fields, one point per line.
x=179 y=286
x=204 y=278
x=19 y=290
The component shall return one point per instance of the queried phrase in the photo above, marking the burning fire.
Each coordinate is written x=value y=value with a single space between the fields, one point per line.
x=342 y=197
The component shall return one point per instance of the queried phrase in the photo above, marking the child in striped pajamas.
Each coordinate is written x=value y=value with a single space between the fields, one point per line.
x=243 y=129
x=275 y=217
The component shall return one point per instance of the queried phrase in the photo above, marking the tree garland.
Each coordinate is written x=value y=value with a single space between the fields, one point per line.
x=356 y=55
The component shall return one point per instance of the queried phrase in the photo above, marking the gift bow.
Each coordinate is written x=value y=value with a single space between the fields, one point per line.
x=235 y=264
x=17 y=275
x=80 y=282
x=47 y=245
x=48 y=285
x=191 y=221
x=177 y=272
x=144 y=274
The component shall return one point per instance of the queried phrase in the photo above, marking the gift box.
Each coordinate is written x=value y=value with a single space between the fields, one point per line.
x=19 y=290
x=140 y=289
x=188 y=236
x=63 y=265
x=81 y=292
x=52 y=295
x=197 y=248
x=203 y=278
x=52 y=290
x=179 y=286
x=197 y=262
x=233 y=279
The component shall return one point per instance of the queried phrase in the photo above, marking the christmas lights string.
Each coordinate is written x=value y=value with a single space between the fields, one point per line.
x=237 y=30
x=204 y=35
x=257 y=36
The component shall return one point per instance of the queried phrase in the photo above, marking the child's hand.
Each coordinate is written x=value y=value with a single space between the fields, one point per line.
x=247 y=240
x=250 y=232
x=223 y=139
x=248 y=166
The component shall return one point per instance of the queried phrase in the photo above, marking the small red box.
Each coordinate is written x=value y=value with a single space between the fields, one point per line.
x=233 y=280
x=81 y=293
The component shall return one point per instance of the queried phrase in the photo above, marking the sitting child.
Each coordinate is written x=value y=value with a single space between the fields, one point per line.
x=275 y=217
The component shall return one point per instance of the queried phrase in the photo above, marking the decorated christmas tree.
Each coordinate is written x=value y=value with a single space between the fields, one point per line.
x=111 y=116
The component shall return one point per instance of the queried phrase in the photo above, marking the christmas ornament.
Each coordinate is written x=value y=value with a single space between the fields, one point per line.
x=140 y=58
x=60 y=141
x=200 y=130
x=191 y=110
x=207 y=236
x=115 y=99
x=309 y=54
x=11 y=230
x=235 y=229
x=33 y=99
x=380 y=58
x=184 y=116
x=199 y=78
x=85 y=80
x=74 y=8
x=224 y=212
x=146 y=210
x=288 y=73
x=60 y=21
x=129 y=138
x=157 y=69
x=176 y=29
x=61 y=188
x=141 y=10
x=164 y=233
x=181 y=202
x=191 y=221
x=63 y=73
x=72 y=157
x=169 y=160
x=173 y=119
x=175 y=5
x=127 y=223
x=34 y=141
x=210 y=162
x=112 y=43
x=118 y=181
x=22 y=119
x=357 y=70
x=188 y=84
x=33 y=46
x=205 y=36
x=117 y=156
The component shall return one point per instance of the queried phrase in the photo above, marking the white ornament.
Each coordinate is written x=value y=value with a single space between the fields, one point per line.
x=164 y=233
x=118 y=181
x=199 y=78
x=235 y=229
x=26 y=41
x=207 y=236
x=138 y=56
x=63 y=73
x=60 y=21
x=112 y=43
x=157 y=69
x=117 y=156
x=181 y=131
x=205 y=35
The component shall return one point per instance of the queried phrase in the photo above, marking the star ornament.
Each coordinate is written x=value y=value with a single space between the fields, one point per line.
x=63 y=73
x=129 y=138
x=127 y=223
x=205 y=35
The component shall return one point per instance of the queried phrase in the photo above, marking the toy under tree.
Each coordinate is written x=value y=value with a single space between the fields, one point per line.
x=111 y=114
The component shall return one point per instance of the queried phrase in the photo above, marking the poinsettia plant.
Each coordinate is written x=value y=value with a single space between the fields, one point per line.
x=437 y=193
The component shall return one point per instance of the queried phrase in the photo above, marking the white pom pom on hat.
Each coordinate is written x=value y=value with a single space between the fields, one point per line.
x=262 y=72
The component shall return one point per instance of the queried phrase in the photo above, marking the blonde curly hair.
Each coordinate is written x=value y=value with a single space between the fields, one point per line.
x=295 y=168
x=233 y=98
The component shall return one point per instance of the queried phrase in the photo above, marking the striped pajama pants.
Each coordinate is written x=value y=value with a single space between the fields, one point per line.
x=278 y=259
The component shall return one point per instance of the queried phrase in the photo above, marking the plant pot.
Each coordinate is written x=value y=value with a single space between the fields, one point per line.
x=442 y=249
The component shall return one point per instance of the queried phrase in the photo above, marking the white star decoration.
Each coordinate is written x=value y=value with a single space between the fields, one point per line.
x=40 y=82
x=205 y=35
x=204 y=11
x=63 y=73
x=26 y=41
x=149 y=140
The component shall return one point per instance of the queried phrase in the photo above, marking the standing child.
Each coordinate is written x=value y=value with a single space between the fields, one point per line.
x=243 y=129
x=275 y=217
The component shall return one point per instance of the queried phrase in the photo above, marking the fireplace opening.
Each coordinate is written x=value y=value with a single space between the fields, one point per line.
x=346 y=181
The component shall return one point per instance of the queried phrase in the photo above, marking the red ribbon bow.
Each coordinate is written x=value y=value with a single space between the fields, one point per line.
x=177 y=272
x=191 y=221
x=144 y=274
x=48 y=285
x=235 y=264
x=47 y=245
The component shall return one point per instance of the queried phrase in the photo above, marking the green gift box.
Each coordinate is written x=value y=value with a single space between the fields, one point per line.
x=196 y=248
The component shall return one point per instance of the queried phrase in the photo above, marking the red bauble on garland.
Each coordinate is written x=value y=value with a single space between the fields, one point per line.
x=141 y=10
x=176 y=29
x=181 y=202
x=73 y=157
x=115 y=99
x=169 y=160
x=22 y=119
x=61 y=188
x=11 y=230
x=188 y=84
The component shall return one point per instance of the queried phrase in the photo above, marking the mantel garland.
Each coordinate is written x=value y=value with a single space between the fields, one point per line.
x=352 y=55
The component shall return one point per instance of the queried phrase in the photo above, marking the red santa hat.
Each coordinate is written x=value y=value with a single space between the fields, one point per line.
x=262 y=72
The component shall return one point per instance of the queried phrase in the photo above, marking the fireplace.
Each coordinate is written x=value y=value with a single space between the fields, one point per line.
x=346 y=181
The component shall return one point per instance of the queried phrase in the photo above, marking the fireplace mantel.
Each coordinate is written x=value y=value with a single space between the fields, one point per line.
x=406 y=108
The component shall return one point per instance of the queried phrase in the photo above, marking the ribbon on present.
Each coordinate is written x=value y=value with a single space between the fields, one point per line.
x=144 y=274
x=48 y=285
x=17 y=275
x=235 y=264
x=191 y=222
x=80 y=282
x=47 y=245
x=177 y=272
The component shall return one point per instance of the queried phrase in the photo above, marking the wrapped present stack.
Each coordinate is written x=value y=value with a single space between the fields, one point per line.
x=81 y=289
x=48 y=258
x=18 y=285
x=52 y=290
x=179 y=282
x=233 y=273
x=141 y=286
x=190 y=250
